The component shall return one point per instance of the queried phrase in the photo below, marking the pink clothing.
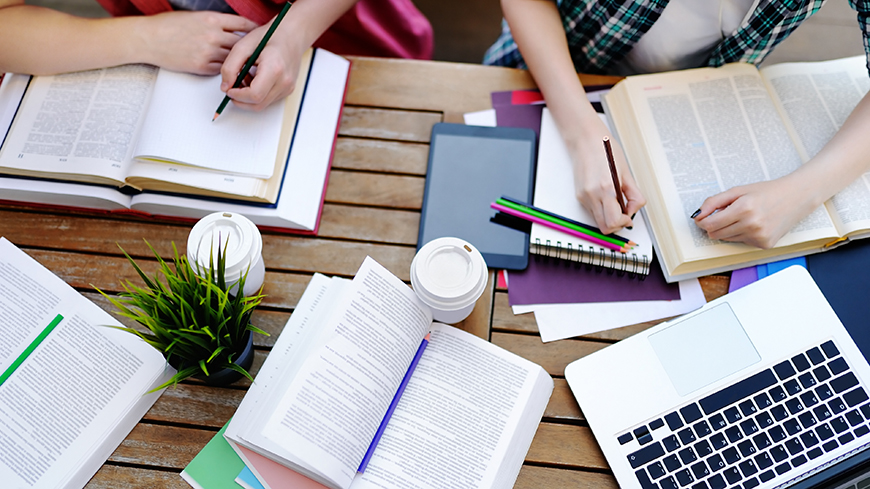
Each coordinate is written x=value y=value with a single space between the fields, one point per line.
x=388 y=28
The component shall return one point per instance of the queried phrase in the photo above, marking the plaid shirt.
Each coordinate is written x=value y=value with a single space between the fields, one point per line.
x=601 y=32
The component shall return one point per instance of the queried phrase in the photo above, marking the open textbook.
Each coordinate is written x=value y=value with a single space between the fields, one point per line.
x=40 y=167
x=691 y=134
x=71 y=387
x=466 y=419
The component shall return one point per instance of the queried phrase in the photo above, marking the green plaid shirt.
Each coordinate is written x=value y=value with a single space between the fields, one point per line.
x=601 y=32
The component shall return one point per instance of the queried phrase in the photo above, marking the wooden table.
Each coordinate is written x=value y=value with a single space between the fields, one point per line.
x=372 y=208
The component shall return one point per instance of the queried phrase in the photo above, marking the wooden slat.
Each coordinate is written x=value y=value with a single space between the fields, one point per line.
x=382 y=156
x=193 y=404
x=114 y=476
x=332 y=257
x=563 y=406
x=393 y=191
x=161 y=446
x=282 y=289
x=554 y=357
x=368 y=224
x=532 y=477
x=715 y=286
x=398 y=125
x=566 y=446
x=280 y=251
x=435 y=86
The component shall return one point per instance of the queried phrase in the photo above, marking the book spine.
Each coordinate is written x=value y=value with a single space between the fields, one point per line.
x=594 y=257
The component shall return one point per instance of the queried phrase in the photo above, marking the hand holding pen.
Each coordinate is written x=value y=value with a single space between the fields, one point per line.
x=275 y=75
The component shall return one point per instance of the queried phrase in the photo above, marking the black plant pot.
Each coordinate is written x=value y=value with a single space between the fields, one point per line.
x=227 y=376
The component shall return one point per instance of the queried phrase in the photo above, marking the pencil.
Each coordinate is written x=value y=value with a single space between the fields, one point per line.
x=583 y=228
x=613 y=174
x=253 y=58
x=553 y=225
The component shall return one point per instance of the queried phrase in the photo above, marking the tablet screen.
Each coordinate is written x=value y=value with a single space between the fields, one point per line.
x=469 y=168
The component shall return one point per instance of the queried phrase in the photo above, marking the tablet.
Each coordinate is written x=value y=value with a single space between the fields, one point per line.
x=469 y=168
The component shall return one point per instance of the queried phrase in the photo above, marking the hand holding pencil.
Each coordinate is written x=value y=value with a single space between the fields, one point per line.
x=595 y=185
x=268 y=55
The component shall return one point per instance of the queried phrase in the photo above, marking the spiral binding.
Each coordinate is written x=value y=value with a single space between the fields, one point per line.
x=599 y=259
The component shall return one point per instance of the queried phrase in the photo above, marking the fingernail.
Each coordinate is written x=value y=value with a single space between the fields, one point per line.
x=629 y=227
x=695 y=214
x=632 y=216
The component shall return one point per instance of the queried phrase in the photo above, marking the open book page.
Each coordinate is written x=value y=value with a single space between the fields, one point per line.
x=328 y=416
x=466 y=418
x=78 y=393
x=287 y=356
x=79 y=126
x=815 y=100
x=704 y=131
x=179 y=128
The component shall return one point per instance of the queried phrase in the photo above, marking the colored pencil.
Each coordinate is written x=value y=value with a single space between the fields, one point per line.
x=572 y=232
x=564 y=221
x=253 y=58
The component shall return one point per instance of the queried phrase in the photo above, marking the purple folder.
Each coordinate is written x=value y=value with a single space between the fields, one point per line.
x=549 y=281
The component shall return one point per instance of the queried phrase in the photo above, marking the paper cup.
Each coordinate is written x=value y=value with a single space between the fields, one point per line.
x=242 y=241
x=449 y=275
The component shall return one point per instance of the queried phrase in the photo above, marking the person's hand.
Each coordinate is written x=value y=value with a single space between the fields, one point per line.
x=758 y=214
x=192 y=42
x=594 y=185
x=274 y=72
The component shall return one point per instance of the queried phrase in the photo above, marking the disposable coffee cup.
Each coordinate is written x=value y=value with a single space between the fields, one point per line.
x=449 y=275
x=240 y=238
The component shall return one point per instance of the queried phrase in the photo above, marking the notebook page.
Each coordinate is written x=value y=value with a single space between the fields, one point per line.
x=178 y=127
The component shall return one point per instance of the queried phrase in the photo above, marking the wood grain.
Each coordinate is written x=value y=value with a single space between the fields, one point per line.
x=566 y=446
x=532 y=477
x=397 y=125
x=376 y=155
x=436 y=86
x=114 y=476
x=371 y=189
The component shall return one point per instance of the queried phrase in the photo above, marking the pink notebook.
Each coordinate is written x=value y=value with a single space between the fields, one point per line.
x=274 y=475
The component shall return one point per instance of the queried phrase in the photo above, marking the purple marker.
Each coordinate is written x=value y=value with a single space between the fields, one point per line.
x=383 y=426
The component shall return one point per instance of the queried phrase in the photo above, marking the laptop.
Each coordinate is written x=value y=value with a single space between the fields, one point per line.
x=762 y=388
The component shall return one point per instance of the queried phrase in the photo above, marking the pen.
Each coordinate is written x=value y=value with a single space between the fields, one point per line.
x=393 y=404
x=553 y=225
x=564 y=221
x=613 y=174
x=253 y=58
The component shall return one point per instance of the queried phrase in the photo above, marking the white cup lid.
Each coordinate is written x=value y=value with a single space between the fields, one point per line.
x=229 y=230
x=448 y=273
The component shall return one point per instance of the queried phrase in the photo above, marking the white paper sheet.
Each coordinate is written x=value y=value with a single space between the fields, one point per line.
x=560 y=321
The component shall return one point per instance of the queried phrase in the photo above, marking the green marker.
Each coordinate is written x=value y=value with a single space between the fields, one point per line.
x=32 y=346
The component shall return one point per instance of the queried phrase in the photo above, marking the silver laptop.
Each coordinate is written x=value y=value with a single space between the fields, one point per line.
x=763 y=388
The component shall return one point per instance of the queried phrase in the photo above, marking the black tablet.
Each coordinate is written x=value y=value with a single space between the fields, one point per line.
x=469 y=168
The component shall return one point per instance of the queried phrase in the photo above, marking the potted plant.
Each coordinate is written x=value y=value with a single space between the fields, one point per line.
x=201 y=329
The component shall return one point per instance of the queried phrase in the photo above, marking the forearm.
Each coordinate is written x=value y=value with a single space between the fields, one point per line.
x=840 y=162
x=37 y=40
x=307 y=20
x=540 y=36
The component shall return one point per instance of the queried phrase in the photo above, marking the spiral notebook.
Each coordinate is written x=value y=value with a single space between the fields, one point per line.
x=554 y=191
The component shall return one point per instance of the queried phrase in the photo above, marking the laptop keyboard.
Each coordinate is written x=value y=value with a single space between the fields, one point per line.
x=766 y=425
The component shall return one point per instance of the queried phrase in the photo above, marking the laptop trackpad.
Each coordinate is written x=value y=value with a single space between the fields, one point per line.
x=703 y=349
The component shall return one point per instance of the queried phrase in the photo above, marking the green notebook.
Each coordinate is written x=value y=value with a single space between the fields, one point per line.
x=215 y=467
